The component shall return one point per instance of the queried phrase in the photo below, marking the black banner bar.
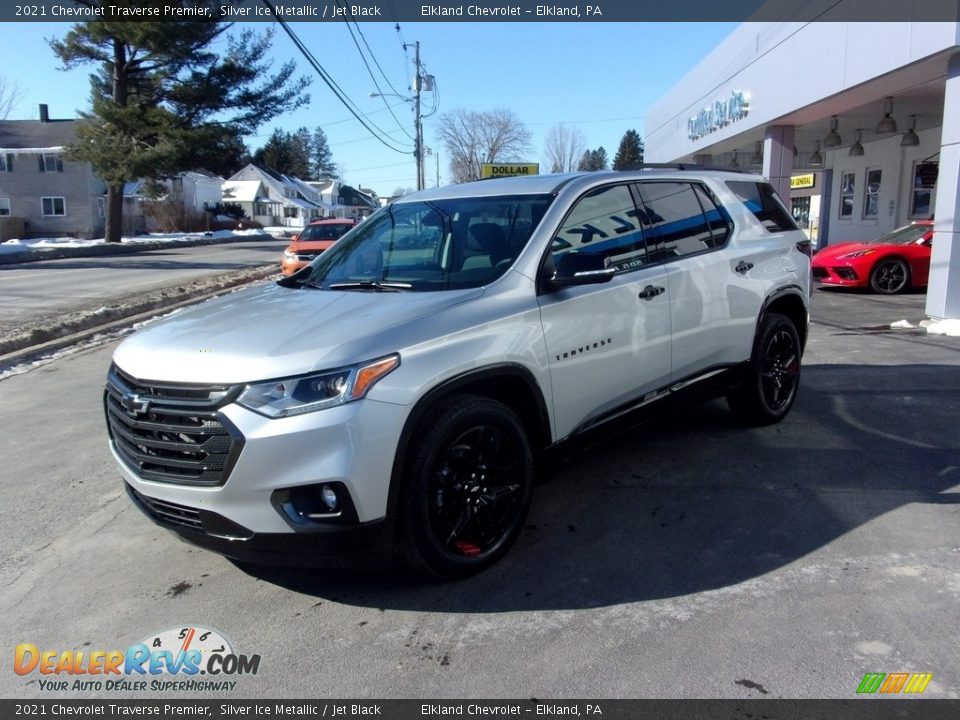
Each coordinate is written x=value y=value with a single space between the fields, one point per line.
x=487 y=10
x=874 y=708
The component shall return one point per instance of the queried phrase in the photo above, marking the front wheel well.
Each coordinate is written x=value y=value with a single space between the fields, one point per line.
x=512 y=386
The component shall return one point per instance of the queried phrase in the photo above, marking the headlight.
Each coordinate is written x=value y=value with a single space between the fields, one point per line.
x=289 y=255
x=856 y=254
x=306 y=393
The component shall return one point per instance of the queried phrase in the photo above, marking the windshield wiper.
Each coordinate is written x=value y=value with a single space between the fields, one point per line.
x=375 y=285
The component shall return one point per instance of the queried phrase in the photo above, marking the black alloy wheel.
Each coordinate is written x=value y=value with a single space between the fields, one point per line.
x=781 y=369
x=890 y=276
x=468 y=490
x=772 y=377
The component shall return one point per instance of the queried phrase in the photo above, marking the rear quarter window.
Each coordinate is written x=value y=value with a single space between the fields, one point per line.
x=761 y=200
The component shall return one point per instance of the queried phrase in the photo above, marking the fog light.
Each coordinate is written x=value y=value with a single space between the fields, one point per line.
x=310 y=508
x=329 y=497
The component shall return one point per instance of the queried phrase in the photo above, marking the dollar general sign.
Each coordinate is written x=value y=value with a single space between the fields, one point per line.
x=494 y=170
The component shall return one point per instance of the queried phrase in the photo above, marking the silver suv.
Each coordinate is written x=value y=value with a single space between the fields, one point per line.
x=399 y=391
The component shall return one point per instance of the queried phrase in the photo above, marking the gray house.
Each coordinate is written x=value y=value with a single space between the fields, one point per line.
x=42 y=194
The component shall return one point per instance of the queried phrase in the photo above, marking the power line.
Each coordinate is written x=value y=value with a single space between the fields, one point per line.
x=380 y=92
x=374 y=57
x=331 y=83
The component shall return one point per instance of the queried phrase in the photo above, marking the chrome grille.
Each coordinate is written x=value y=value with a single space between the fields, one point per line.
x=171 y=433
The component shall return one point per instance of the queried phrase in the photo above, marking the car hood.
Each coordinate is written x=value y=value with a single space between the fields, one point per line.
x=307 y=245
x=833 y=252
x=272 y=332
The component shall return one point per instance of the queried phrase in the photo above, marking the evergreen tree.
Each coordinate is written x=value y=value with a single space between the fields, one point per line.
x=276 y=152
x=300 y=143
x=162 y=97
x=321 y=159
x=287 y=153
x=630 y=153
x=593 y=160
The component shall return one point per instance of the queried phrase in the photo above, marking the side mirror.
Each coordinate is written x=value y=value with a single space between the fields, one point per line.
x=581 y=269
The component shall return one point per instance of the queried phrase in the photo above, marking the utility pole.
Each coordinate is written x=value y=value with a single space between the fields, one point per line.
x=418 y=145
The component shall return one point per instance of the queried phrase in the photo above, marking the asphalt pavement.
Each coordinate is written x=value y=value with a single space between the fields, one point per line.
x=685 y=557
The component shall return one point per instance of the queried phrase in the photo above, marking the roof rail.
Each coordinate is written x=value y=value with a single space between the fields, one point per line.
x=688 y=166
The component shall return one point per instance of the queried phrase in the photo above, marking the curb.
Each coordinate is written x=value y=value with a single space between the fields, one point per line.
x=28 y=256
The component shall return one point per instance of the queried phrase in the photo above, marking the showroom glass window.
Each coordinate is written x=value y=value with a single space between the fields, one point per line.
x=924 y=181
x=848 y=188
x=871 y=197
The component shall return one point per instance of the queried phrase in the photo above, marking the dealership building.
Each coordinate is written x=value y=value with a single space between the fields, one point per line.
x=857 y=125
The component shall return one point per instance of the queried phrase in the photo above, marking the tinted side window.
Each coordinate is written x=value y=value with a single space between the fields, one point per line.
x=717 y=217
x=603 y=222
x=763 y=202
x=673 y=221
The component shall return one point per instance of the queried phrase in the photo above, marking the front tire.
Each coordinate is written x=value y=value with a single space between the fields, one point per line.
x=889 y=277
x=467 y=489
x=773 y=376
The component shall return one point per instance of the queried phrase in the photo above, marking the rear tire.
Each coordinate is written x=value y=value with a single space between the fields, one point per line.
x=467 y=488
x=889 y=277
x=773 y=376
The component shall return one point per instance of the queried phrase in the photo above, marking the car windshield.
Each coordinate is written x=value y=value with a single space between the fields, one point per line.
x=324 y=232
x=431 y=245
x=906 y=235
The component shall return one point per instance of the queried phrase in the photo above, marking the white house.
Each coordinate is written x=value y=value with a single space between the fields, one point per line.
x=291 y=201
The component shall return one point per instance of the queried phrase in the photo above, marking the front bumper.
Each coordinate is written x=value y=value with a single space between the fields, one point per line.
x=356 y=546
x=352 y=446
x=842 y=275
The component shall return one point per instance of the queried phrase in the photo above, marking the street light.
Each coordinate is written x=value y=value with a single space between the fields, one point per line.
x=418 y=81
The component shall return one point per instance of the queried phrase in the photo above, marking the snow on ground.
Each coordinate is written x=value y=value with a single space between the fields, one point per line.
x=950 y=328
x=21 y=245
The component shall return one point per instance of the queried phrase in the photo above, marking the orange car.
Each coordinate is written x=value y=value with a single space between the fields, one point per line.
x=315 y=238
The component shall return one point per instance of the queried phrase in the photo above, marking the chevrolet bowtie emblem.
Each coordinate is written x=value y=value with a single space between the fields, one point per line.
x=134 y=404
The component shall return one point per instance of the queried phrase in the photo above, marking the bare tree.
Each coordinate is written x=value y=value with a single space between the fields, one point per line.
x=563 y=148
x=9 y=97
x=472 y=138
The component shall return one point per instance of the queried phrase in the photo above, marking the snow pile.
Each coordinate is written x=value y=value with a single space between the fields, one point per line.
x=901 y=324
x=20 y=245
x=950 y=328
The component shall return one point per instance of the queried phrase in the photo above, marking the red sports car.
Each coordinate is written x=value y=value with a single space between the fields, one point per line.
x=889 y=264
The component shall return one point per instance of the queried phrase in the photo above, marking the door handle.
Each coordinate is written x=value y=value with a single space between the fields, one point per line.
x=743 y=266
x=651 y=291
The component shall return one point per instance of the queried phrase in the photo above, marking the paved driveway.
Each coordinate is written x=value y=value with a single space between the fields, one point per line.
x=686 y=557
